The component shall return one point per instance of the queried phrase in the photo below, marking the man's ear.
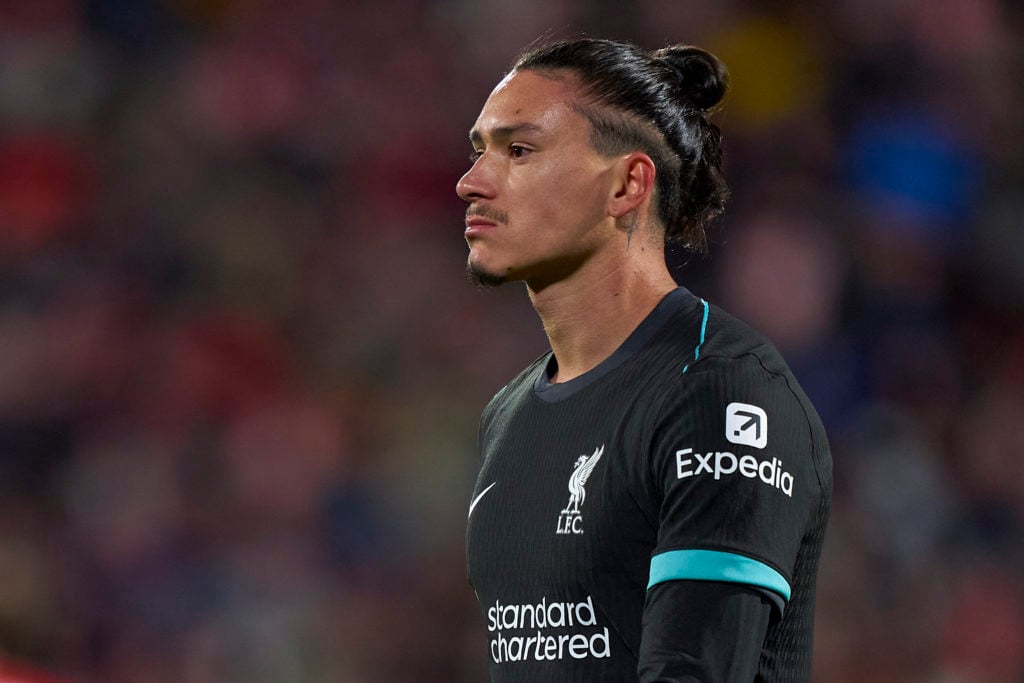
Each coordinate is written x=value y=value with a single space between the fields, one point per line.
x=633 y=185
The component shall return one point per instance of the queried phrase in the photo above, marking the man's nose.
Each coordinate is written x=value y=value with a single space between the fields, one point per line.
x=476 y=183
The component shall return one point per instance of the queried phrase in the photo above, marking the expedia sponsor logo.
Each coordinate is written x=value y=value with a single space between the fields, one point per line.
x=723 y=464
x=554 y=631
x=746 y=425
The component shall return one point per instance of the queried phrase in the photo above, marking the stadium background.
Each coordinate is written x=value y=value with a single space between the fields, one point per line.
x=240 y=367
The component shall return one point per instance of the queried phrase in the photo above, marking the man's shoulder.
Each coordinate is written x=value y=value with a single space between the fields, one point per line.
x=726 y=339
x=702 y=337
x=733 y=359
x=744 y=365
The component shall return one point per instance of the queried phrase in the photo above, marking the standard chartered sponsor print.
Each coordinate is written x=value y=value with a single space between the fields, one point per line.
x=554 y=631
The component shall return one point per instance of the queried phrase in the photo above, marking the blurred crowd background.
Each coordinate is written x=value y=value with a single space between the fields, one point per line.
x=241 y=367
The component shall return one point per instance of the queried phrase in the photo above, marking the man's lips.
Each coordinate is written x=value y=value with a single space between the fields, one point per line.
x=477 y=224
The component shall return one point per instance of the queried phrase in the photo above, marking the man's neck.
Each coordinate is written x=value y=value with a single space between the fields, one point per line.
x=587 y=318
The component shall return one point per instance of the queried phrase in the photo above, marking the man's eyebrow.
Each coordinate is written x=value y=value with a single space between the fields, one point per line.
x=504 y=132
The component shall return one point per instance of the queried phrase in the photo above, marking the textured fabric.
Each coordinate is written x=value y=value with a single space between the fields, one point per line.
x=724 y=644
x=582 y=483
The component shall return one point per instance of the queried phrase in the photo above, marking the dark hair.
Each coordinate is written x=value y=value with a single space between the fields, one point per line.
x=657 y=102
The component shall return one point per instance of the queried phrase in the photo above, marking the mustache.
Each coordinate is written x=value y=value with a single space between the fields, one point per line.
x=496 y=215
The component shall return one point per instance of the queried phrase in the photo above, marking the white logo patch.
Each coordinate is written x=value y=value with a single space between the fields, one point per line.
x=570 y=521
x=478 y=497
x=746 y=425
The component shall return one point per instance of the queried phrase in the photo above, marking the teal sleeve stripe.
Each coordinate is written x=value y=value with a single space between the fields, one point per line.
x=703 y=332
x=714 y=565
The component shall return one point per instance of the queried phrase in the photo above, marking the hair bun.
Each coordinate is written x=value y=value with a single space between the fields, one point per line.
x=702 y=78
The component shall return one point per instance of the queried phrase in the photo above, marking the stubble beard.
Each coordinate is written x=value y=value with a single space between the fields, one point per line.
x=483 y=279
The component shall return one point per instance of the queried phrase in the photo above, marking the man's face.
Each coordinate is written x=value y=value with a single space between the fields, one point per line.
x=537 y=190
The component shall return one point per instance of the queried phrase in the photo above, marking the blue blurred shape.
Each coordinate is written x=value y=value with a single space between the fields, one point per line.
x=911 y=164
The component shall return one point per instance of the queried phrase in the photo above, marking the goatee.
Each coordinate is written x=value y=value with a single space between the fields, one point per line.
x=482 y=279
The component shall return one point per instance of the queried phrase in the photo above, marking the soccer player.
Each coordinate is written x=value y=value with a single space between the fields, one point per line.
x=654 y=490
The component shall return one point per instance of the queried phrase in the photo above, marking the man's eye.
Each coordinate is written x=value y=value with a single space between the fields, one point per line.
x=476 y=154
x=517 y=151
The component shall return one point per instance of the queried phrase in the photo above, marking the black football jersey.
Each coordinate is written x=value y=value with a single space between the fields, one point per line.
x=690 y=454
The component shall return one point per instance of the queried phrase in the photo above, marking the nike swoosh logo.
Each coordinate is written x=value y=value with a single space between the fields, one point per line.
x=478 y=497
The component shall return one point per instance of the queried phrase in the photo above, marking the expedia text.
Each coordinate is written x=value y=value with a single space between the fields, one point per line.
x=724 y=463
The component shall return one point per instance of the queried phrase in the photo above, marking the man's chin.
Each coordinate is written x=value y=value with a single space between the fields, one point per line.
x=482 y=278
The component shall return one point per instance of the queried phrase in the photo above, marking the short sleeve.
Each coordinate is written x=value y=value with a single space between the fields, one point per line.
x=733 y=457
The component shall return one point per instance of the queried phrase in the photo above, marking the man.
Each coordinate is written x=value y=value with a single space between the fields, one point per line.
x=654 y=490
